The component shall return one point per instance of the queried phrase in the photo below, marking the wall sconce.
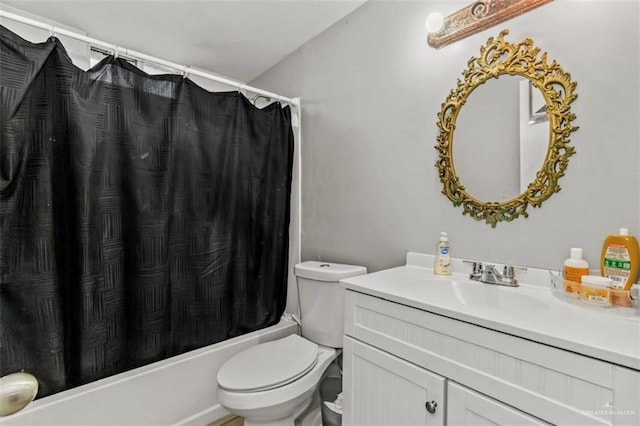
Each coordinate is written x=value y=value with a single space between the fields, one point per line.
x=478 y=16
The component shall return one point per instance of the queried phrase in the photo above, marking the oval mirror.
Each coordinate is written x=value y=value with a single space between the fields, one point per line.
x=508 y=146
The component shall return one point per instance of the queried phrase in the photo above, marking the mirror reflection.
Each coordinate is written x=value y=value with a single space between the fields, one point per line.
x=534 y=132
x=500 y=143
x=486 y=152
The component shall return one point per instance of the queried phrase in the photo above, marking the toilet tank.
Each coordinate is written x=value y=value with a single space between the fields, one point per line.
x=322 y=300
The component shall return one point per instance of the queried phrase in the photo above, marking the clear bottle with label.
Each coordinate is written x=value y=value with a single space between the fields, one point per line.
x=442 y=262
x=620 y=259
x=574 y=268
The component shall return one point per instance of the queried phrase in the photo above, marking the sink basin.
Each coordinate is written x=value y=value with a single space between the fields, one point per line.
x=479 y=295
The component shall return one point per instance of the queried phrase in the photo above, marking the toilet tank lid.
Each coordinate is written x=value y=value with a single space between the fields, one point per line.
x=326 y=271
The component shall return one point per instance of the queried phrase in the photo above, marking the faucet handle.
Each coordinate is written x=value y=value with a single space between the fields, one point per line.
x=478 y=267
x=510 y=270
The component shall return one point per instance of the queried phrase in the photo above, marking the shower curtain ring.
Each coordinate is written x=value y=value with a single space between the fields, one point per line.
x=115 y=51
x=52 y=32
x=185 y=71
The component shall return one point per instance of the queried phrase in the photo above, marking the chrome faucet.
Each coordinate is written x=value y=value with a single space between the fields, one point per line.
x=489 y=274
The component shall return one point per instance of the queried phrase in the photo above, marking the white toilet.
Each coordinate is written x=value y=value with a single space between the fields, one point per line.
x=273 y=383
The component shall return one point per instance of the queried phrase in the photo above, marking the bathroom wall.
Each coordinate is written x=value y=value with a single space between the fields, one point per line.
x=371 y=89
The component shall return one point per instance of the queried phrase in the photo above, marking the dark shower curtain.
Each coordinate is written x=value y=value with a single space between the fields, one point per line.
x=141 y=216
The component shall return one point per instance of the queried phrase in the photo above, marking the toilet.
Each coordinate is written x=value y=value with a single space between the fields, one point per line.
x=272 y=383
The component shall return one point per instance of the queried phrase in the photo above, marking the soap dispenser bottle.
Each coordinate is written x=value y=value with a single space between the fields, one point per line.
x=620 y=259
x=442 y=261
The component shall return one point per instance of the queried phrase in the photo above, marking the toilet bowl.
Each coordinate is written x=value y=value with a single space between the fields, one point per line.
x=273 y=383
x=268 y=399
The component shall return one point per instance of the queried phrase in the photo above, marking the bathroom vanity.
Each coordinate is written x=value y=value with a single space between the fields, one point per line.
x=421 y=349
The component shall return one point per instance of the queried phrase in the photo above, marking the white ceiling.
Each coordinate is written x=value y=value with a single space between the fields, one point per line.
x=239 y=39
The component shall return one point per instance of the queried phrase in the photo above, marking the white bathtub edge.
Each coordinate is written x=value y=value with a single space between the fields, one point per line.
x=178 y=391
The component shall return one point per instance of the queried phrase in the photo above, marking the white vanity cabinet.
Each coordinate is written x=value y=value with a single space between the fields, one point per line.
x=382 y=389
x=467 y=407
x=397 y=358
x=385 y=390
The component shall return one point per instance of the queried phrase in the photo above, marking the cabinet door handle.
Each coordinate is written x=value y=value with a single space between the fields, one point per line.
x=431 y=406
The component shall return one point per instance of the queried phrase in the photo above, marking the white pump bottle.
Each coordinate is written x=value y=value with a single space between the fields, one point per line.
x=442 y=262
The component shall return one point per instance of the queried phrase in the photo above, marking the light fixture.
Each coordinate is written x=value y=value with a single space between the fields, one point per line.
x=434 y=22
x=476 y=17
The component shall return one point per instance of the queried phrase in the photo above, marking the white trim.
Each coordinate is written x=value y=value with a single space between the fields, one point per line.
x=206 y=416
x=144 y=57
x=299 y=186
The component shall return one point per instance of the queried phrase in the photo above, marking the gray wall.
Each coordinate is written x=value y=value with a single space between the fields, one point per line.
x=371 y=89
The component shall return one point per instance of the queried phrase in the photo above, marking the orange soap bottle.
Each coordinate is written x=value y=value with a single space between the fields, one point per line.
x=620 y=259
x=574 y=268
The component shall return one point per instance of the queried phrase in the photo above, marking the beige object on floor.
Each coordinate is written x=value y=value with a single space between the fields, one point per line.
x=229 y=420
x=17 y=390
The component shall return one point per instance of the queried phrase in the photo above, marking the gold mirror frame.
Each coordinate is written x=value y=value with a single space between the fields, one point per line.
x=497 y=58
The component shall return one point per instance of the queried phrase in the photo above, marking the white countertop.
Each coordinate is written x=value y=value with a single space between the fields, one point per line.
x=532 y=312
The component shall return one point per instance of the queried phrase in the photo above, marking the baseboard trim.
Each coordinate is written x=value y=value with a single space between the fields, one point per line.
x=205 y=417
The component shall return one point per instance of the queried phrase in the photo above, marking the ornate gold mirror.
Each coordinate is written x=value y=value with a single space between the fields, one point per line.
x=494 y=200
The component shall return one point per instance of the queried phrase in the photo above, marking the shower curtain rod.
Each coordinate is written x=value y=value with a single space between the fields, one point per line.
x=147 y=58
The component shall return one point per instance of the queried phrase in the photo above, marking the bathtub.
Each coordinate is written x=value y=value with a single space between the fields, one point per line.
x=177 y=391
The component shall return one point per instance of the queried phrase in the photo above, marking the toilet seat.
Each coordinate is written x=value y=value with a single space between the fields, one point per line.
x=278 y=406
x=268 y=365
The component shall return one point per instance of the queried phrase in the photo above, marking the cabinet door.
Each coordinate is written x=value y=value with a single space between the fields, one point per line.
x=381 y=389
x=466 y=407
